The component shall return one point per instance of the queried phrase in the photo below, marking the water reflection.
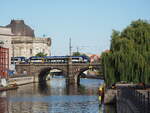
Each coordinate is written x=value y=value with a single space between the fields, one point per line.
x=110 y=109
x=54 y=97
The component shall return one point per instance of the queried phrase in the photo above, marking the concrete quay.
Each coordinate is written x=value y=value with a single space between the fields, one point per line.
x=111 y=93
x=110 y=96
x=129 y=98
x=21 y=80
x=13 y=82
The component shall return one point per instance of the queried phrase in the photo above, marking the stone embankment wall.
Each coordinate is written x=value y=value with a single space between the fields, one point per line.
x=125 y=106
x=129 y=98
x=110 y=96
x=21 y=80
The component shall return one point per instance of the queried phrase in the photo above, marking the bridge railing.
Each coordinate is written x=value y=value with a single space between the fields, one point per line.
x=140 y=100
x=54 y=63
x=58 y=63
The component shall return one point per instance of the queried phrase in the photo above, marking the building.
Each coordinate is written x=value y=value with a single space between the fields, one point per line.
x=4 y=62
x=5 y=40
x=24 y=42
x=5 y=51
x=94 y=58
x=18 y=39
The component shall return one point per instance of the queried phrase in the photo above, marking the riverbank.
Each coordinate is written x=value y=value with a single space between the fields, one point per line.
x=134 y=97
x=21 y=80
x=9 y=87
x=111 y=93
x=13 y=82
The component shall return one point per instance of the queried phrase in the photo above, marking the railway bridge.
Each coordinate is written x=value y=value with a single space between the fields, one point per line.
x=71 y=71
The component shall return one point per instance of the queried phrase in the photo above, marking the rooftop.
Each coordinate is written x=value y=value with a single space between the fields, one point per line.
x=19 y=28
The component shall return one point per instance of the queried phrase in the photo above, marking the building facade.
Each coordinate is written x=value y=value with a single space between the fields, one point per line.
x=5 y=37
x=5 y=40
x=4 y=62
x=28 y=46
x=24 y=42
x=5 y=51
x=18 y=39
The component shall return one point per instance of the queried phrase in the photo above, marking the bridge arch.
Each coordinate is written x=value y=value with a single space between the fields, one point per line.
x=79 y=74
x=43 y=73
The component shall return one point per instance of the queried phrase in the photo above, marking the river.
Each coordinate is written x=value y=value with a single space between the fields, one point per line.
x=54 y=97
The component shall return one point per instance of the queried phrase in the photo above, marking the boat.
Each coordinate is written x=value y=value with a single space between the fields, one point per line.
x=9 y=87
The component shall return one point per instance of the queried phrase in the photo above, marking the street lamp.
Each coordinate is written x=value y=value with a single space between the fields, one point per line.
x=70 y=47
x=13 y=55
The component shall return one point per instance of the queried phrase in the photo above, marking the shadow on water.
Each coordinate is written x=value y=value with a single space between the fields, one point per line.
x=43 y=87
x=55 y=96
x=59 y=87
x=49 y=86
x=110 y=109
x=87 y=90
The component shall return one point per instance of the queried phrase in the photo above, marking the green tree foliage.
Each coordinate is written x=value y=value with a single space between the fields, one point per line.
x=41 y=54
x=129 y=55
x=76 y=54
x=79 y=54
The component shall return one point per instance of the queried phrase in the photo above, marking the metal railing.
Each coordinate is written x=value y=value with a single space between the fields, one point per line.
x=141 y=100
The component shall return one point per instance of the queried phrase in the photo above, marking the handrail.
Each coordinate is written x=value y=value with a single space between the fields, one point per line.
x=141 y=101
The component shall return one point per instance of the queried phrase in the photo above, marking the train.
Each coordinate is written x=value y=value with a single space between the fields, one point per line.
x=18 y=60
x=50 y=59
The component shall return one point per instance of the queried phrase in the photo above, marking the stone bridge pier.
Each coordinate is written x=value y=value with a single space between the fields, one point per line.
x=71 y=71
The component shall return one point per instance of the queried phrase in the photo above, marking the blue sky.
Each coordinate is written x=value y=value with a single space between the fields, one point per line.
x=89 y=23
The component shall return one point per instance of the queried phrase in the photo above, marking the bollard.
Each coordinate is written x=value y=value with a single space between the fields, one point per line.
x=135 y=94
x=141 y=98
x=148 y=101
x=144 y=104
x=118 y=94
x=148 y=97
x=138 y=99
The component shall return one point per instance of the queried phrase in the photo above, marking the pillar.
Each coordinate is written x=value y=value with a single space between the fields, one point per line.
x=71 y=78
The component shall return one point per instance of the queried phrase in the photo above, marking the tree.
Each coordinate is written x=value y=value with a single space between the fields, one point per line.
x=79 y=54
x=76 y=54
x=41 y=54
x=129 y=56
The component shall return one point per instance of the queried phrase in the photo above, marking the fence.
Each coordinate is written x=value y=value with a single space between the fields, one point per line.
x=140 y=100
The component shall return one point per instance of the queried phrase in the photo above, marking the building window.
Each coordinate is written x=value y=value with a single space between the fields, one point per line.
x=30 y=51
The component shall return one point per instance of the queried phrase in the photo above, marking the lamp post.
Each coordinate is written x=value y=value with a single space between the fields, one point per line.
x=70 y=47
x=13 y=52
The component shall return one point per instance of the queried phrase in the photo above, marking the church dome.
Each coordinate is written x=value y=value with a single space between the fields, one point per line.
x=19 y=28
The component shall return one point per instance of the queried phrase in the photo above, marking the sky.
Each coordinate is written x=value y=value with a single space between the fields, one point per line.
x=89 y=23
